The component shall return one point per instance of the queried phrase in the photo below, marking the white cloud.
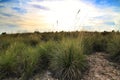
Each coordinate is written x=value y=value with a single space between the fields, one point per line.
x=62 y=15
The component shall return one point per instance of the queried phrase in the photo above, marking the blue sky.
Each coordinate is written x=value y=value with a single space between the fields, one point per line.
x=58 y=15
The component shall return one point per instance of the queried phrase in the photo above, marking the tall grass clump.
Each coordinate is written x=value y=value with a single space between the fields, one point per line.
x=68 y=62
x=31 y=62
x=18 y=61
x=10 y=62
x=23 y=61
x=4 y=45
x=99 y=43
x=94 y=43
x=113 y=48
x=32 y=40
x=45 y=49
x=87 y=44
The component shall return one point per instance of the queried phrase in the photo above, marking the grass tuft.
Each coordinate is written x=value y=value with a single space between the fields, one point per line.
x=68 y=63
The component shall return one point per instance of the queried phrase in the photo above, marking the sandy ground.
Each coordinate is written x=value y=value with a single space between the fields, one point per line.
x=101 y=68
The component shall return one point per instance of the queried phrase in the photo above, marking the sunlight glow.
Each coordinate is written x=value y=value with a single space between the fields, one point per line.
x=65 y=16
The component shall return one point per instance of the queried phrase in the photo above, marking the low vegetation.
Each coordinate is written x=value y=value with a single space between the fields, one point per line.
x=114 y=48
x=63 y=53
x=69 y=62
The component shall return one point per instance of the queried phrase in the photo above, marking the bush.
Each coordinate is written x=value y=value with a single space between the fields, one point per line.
x=31 y=41
x=45 y=50
x=87 y=44
x=100 y=43
x=113 y=48
x=10 y=61
x=68 y=63
x=94 y=43
x=4 y=45
x=19 y=60
x=32 y=58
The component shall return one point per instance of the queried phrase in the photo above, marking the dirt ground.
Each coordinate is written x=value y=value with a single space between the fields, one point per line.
x=101 y=68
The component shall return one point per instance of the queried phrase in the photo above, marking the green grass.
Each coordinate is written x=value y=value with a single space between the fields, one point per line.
x=46 y=51
x=63 y=53
x=12 y=60
x=18 y=60
x=114 y=48
x=69 y=62
x=23 y=61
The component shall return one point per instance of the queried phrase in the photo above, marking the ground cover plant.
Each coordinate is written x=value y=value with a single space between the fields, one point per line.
x=23 y=55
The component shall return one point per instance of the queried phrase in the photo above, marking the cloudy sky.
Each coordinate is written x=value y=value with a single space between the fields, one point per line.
x=59 y=15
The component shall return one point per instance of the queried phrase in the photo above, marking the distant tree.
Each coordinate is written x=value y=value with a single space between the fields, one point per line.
x=113 y=31
x=3 y=33
x=37 y=32
x=105 y=33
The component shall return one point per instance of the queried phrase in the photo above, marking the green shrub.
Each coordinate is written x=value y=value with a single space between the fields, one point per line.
x=87 y=44
x=100 y=43
x=94 y=43
x=19 y=60
x=68 y=62
x=4 y=45
x=45 y=50
x=30 y=63
x=31 y=41
x=10 y=61
x=113 y=48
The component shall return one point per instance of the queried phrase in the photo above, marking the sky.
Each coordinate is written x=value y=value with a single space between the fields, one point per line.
x=59 y=15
